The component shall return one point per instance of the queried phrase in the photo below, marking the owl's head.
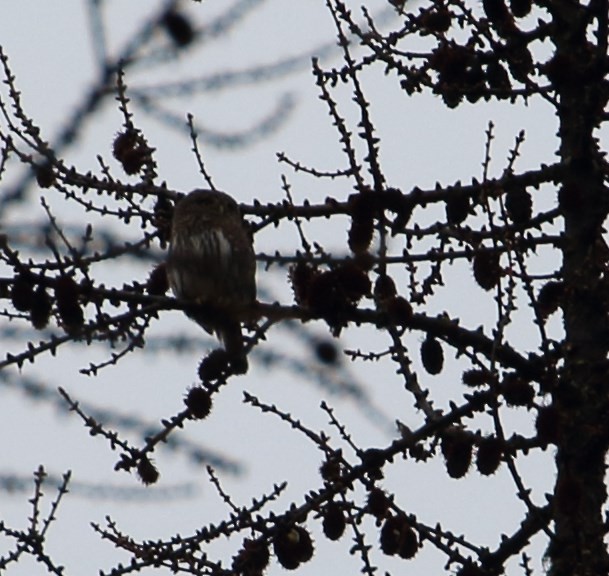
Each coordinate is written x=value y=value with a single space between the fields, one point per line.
x=206 y=205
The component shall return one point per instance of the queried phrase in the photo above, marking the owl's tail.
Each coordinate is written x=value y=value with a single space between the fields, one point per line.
x=232 y=338
x=228 y=331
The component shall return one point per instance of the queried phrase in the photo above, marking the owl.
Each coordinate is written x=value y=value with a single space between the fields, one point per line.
x=211 y=263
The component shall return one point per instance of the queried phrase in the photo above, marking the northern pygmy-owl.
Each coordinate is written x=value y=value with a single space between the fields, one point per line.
x=212 y=264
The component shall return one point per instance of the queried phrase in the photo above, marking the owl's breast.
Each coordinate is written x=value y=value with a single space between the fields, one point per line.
x=212 y=266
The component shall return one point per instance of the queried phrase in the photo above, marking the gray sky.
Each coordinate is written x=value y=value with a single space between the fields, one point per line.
x=49 y=46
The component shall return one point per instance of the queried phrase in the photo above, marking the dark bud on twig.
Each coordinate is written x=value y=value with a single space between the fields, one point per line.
x=327 y=352
x=487 y=270
x=519 y=205
x=163 y=213
x=451 y=96
x=333 y=294
x=409 y=544
x=377 y=503
x=520 y=60
x=497 y=77
x=252 y=559
x=147 y=471
x=22 y=292
x=40 y=311
x=333 y=523
x=451 y=62
x=373 y=460
x=292 y=546
x=432 y=355
x=489 y=454
x=214 y=365
x=45 y=177
x=457 y=447
x=402 y=205
x=471 y=569
x=123 y=144
x=301 y=277
x=198 y=402
x=353 y=281
x=399 y=310
x=131 y=150
x=68 y=306
x=517 y=391
x=384 y=288
x=549 y=298
x=398 y=537
x=330 y=470
x=363 y=208
x=178 y=28
x=474 y=77
x=562 y=70
x=324 y=296
x=361 y=233
x=476 y=378
x=457 y=207
x=158 y=284
x=501 y=18
x=436 y=21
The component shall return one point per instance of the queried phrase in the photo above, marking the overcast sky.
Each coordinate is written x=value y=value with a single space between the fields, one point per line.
x=51 y=52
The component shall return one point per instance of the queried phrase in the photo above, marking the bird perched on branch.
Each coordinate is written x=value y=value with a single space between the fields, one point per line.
x=211 y=263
